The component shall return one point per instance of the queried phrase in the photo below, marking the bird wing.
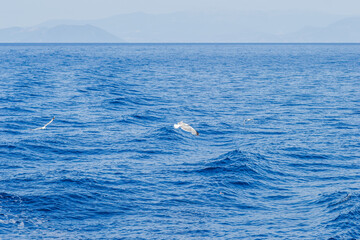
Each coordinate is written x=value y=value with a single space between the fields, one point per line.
x=49 y=122
x=194 y=132
x=188 y=128
x=43 y=127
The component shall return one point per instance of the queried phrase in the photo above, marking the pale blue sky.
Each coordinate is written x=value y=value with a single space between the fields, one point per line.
x=32 y=12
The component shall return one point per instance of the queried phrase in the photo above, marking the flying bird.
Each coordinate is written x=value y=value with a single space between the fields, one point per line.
x=40 y=128
x=186 y=127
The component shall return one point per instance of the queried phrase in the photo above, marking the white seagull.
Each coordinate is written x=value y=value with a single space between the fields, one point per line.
x=186 y=127
x=40 y=128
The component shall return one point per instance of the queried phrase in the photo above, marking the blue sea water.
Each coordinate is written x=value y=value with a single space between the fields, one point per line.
x=112 y=166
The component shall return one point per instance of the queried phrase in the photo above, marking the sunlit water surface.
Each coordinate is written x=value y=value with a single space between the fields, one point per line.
x=112 y=166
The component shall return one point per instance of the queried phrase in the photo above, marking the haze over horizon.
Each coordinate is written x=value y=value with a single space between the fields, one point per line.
x=24 y=13
x=185 y=21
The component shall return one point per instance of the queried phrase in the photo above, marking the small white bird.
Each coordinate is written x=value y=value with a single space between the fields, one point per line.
x=40 y=128
x=248 y=120
x=186 y=127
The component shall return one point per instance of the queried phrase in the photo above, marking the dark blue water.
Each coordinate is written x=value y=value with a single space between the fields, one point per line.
x=112 y=166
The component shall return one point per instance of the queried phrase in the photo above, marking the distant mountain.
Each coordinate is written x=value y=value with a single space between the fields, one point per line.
x=195 y=27
x=205 y=27
x=346 y=30
x=59 y=34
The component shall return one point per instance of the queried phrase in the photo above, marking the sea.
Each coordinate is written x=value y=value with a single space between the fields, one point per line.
x=277 y=156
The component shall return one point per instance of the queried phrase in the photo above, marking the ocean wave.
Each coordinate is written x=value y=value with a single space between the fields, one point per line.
x=240 y=170
x=343 y=214
x=112 y=165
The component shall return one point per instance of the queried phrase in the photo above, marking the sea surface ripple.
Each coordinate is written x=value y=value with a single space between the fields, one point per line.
x=112 y=166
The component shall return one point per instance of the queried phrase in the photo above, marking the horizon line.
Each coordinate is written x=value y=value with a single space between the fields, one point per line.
x=179 y=43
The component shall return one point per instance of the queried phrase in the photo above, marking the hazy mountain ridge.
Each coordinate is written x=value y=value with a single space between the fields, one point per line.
x=61 y=33
x=200 y=27
x=346 y=30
